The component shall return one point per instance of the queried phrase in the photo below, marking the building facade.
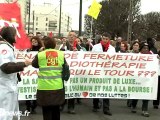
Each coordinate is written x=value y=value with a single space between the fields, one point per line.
x=45 y=19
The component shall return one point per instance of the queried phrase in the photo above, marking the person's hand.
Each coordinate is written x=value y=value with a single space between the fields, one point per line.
x=41 y=49
x=75 y=49
x=64 y=43
x=89 y=41
x=28 y=62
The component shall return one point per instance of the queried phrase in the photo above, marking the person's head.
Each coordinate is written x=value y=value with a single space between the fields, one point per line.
x=135 y=46
x=38 y=34
x=124 y=46
x=119 y=39
x=150 y=42
x=30 y=35
x=113 y=43
x=72 y=36
x=36 y=41
x=98 y=40
x=106 y=37
x=137 y=40
x=144 y=48
x=9 y=34
x=49 y=43
x=64 y=40
x=79 y=40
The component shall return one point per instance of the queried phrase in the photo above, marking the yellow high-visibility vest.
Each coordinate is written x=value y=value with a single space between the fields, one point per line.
x=50 y=64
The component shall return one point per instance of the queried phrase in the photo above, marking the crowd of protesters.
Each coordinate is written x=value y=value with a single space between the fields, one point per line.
x=101 y=43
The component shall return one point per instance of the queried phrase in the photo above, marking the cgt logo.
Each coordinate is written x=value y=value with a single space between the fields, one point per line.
x=4 y=52
x=52 y=58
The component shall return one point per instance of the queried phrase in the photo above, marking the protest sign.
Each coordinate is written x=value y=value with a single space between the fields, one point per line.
x=102 y=75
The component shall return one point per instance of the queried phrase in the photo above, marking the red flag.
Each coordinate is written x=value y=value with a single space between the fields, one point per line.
x=50 y=34
x=10 y=15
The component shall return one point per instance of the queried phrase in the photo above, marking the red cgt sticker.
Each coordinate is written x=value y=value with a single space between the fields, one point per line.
x=52 y=58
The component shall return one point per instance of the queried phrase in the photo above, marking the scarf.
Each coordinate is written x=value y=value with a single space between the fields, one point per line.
x=105 y=45
x=75 y=44
x=147 y=52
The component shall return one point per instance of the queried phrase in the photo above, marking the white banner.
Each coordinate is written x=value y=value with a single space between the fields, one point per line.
x=101 y=75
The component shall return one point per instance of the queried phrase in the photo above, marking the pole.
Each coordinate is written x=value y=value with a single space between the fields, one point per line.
x=130 y=21
x=59 y=33
x=91 y=31
x=29 y=15
x=68 y=24
x=91 y=27
x=33 y=19
x=80 y=18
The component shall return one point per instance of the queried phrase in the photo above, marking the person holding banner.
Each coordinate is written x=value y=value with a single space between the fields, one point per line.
x=133 y=49
x=8 y=75
x=53 y=69
x=63 y=46
x=103 y=46
x=156 y=102
x=151 y=42
x=72 y=45
x=80 y=45
x=144 y=49
x=123 y=47
x=36 y=46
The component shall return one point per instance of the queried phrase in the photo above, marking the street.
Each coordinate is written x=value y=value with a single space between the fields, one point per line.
x=118 y=108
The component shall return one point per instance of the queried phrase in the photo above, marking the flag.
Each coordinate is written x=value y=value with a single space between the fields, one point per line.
x=10 y=15
x=94 y=9
x=50 y=34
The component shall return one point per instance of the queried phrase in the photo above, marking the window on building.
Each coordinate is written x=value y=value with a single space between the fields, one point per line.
x=46 y=19
x=51 y=29
x=36 y=23
x=36 y=28
x=46 y=24
x=36 y=18
x=46 y=29
x=53 y=24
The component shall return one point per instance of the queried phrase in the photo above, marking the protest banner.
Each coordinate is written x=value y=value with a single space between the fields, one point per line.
x=102 y=75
